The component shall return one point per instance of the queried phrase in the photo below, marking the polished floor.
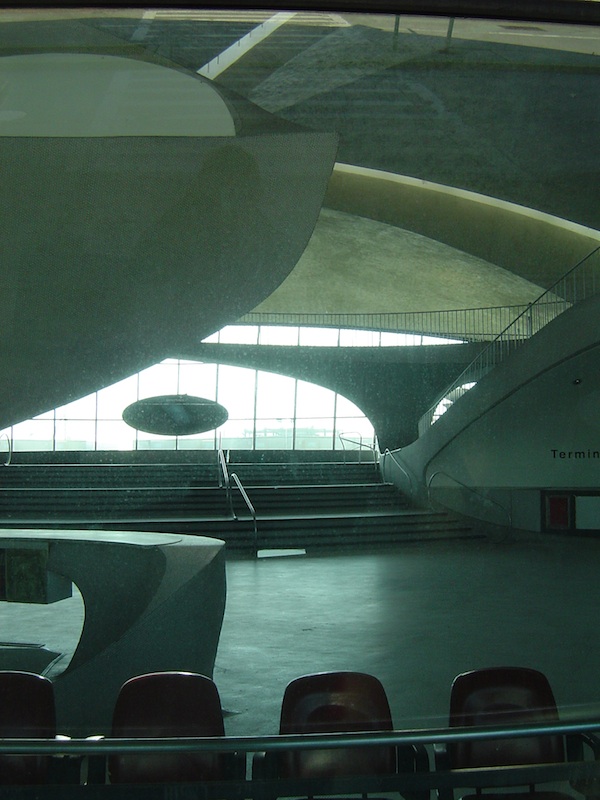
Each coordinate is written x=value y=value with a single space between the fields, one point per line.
x=414 y=615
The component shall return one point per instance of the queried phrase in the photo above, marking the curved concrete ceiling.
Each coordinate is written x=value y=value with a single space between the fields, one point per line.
x=124 y=235
x=357 y=265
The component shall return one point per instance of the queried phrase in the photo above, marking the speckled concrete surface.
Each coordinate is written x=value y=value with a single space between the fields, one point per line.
x=415 y=616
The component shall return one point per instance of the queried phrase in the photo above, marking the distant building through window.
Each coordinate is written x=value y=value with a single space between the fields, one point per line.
x=266 y=411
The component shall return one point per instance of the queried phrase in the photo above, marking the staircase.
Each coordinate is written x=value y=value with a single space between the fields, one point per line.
x=307 y=504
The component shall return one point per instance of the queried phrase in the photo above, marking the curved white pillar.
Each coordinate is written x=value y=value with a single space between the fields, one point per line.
x=152 y=602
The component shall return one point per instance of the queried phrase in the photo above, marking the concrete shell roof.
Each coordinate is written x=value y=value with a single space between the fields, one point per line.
x=358 y=265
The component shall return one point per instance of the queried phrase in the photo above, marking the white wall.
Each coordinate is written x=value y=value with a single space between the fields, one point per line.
x=531 y=424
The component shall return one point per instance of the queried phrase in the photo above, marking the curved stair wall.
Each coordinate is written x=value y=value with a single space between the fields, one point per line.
x=528 y=428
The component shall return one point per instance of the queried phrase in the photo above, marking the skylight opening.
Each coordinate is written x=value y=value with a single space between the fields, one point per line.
x=305 y=336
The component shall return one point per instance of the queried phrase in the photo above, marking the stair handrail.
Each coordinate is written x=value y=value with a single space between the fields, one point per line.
x=224 y=480
x=10 y=448
x=470 y=489
x=428 y=418
x=251 y=508
x=345 y=437
x=389 y=453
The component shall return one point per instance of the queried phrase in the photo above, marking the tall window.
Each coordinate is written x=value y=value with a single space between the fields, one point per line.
x=266 y=412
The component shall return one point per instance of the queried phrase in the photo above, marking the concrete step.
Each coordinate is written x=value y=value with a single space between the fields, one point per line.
x=309 y=532
x=92 y=505
x=109 y=476
x=300 y=504
x=125 y=476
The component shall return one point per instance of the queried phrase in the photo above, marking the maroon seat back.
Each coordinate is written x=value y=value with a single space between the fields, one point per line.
x=161 y=705
x=332 y=702
x=26 y=711
x=503 y=696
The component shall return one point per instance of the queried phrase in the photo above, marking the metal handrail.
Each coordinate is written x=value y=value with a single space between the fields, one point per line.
x=345 y=437
x=399 y=465
x=251 y=508
x=224 y=476
x=428 y=736
x=469 y=488
x=560 y=303
x=10 y=448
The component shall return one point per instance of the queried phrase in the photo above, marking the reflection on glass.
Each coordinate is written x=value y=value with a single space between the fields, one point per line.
x=502 y=108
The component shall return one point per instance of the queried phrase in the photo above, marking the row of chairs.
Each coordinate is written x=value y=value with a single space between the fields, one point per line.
x=179 y=704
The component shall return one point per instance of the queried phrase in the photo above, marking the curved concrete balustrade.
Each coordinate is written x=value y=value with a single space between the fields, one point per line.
x=537 y=246
x=152 y=602
x=529 y=425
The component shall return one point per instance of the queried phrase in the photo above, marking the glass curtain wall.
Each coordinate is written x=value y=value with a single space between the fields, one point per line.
x=266 y=412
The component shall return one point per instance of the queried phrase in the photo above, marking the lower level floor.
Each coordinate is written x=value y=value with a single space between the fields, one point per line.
x=414 y=615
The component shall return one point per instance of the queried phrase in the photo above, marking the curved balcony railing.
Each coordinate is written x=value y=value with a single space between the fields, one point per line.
x=579 y=283
x=465 y=324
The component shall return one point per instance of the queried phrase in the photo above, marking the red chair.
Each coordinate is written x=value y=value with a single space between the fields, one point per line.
x=170 y=704
x=336 y=702
x=26 y=712
x=504 y=696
